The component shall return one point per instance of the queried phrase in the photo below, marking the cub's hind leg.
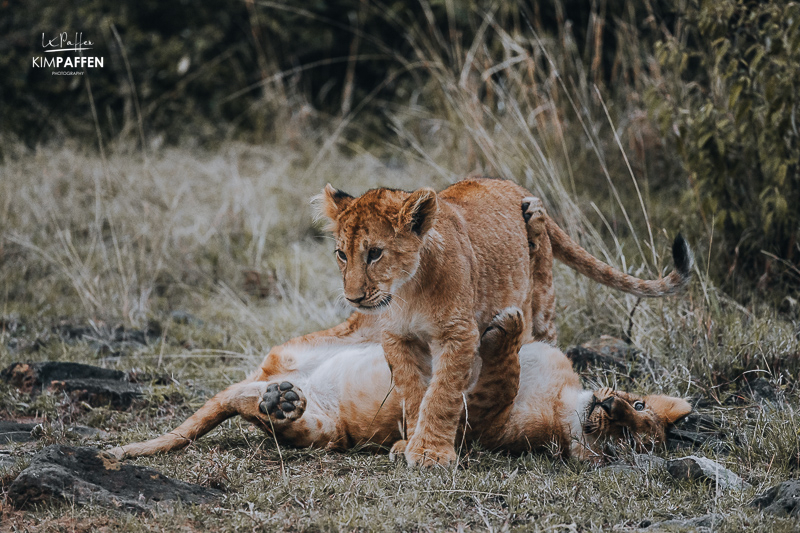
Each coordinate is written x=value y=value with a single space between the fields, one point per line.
x=256 y=402
x=541 y=258
x=490 y=402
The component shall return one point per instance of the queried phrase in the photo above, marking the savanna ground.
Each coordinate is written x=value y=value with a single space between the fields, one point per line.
x=216 y=253
x=129 y=242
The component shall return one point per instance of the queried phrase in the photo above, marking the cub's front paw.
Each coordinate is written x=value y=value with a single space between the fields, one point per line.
x=398 y=450
x=426 y=455
x=283 y=402
x=535 y=220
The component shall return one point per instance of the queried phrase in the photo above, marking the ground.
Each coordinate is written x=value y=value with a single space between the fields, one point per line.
x=205 y=259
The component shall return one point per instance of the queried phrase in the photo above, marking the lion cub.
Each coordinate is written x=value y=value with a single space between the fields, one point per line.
x=436 y=268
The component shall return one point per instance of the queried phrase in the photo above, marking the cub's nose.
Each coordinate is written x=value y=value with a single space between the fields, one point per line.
x=355 y=300
x=607 y=404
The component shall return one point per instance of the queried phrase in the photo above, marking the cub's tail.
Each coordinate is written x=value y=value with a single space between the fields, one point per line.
x=571 y=254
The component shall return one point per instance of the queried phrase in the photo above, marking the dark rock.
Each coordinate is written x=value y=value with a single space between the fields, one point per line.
x=82 y=383
x=694 y=468
x=611 y=353
x=697 y=430
x=89 y=475
x=7 y=462
x=760 y=389
x=706 y=522
x=782 y=499
x=11 y=431
x=605 y=352
x=34 y=377
x=99 y=392
x=107 y=341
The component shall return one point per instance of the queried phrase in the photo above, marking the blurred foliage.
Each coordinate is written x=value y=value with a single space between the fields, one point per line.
x=729 y=98
x=205 y=71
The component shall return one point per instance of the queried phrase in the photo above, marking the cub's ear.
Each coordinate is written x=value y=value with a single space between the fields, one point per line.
x=419 y=211
x=668 y=408
x=331 y=203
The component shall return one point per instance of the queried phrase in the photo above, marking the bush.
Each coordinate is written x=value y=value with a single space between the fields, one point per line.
x=729 y=98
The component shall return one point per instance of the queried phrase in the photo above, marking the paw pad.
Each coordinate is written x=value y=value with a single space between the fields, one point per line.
x=282 y=401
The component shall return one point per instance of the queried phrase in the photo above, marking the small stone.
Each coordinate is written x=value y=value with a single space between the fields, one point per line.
x=85 y=432
x=7 y=462
x=782 y=500
x=694 y=468
x=15 y=431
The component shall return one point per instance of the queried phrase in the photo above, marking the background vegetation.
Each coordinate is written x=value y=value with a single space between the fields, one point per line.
x=168 y=192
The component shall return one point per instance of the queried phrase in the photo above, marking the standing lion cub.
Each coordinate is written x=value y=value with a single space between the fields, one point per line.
x=436 y=268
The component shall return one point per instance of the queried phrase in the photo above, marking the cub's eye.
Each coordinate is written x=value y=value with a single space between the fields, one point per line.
x=639 y=406
x=342 y=256
x=374 y=254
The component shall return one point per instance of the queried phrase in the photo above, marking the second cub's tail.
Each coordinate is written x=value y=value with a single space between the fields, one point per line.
x=571 y=254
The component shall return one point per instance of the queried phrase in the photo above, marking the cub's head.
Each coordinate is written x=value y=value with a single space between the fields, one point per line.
x=614 y=416
x=379 y=237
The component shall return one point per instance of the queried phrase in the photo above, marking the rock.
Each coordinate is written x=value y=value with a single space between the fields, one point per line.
x=7 y=462
x=84 y=432
x=82 y=383
x=35 y=377
x=707 y=522
x=761 y=390
x=11 y=431
x=696 y=430
x=88 y=475
x=611 y=353
x=606 y=352
x=694 y=468
x=782 y=499
x=99 y=392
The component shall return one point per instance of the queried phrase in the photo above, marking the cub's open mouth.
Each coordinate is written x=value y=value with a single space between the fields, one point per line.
x=383 y=303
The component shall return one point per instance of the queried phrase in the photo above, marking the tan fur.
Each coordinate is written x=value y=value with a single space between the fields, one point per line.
x=527 y=398
x=437 y=268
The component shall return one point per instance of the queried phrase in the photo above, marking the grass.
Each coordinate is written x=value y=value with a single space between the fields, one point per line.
x=76 y=252
x=140 y=240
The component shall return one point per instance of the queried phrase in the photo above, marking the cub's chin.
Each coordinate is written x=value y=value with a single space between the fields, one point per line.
x=374 y=309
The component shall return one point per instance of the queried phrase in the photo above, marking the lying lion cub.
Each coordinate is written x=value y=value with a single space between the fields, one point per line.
x=340 y=397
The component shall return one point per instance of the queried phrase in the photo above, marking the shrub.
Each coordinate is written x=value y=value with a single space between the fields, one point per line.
x=729 y=98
